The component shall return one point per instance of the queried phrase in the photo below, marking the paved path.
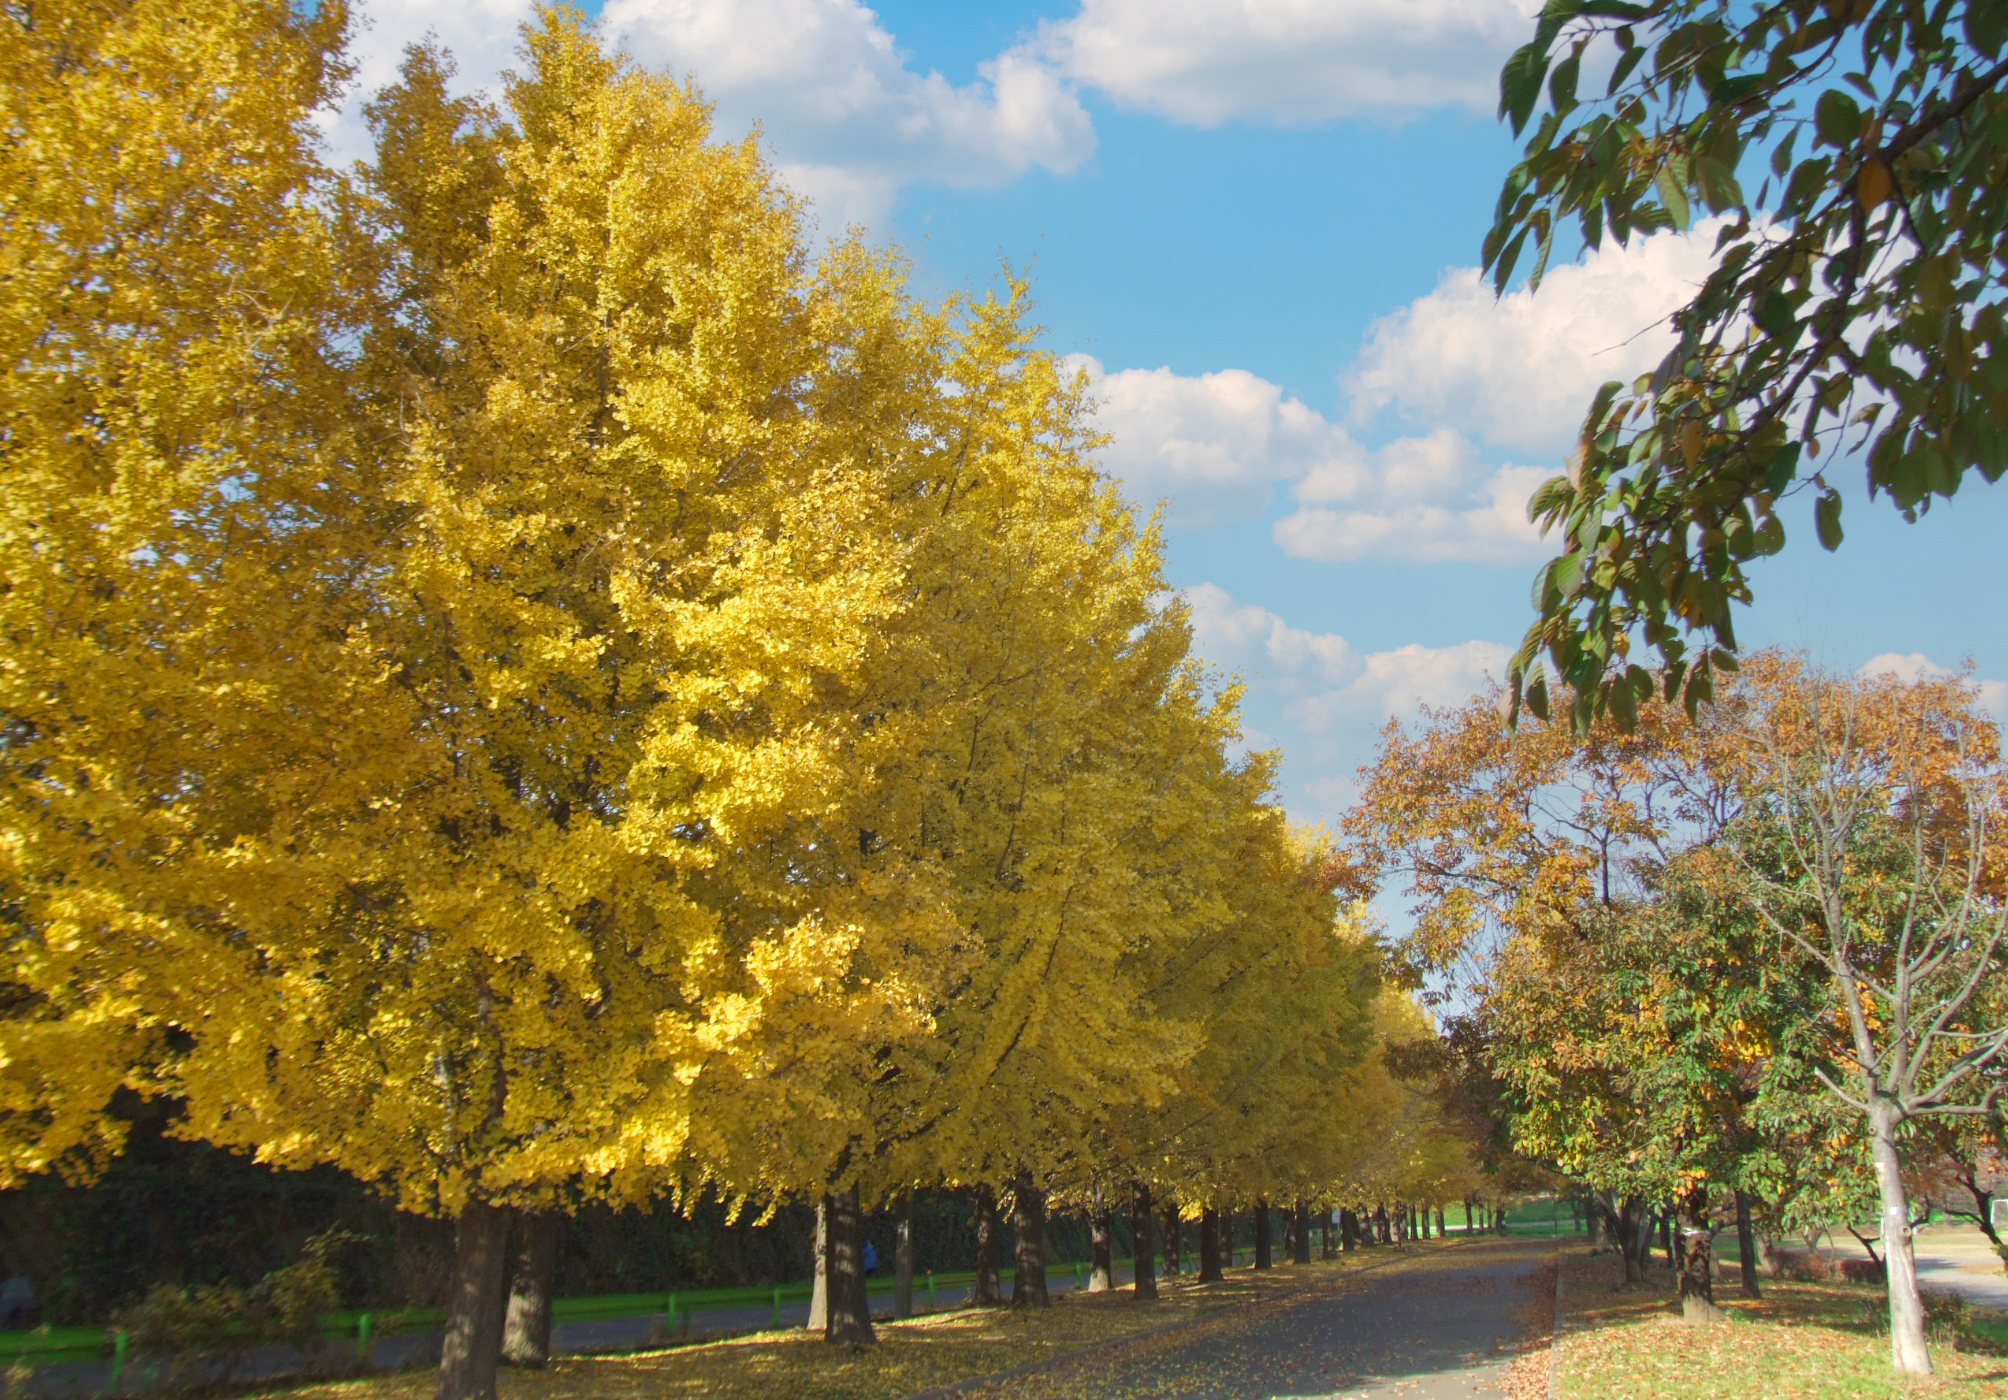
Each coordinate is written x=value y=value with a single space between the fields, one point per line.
x=1957 y=1258
x=1442 y=1326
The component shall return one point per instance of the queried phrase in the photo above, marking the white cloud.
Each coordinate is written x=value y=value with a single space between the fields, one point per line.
x=848 y=121
x=1418 y=498
x=1216 y=445
x=1204 y=62
x=1212 y=444
x=1224 y=630
x=1518 y=371
x=1916 y=666
x=1394 y=683
x=1323 y=680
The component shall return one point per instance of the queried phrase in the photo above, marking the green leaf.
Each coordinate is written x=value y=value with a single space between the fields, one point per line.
x=1837 y=120
x=1554 y=494
x=1626 y=65
x=1537 y=695
x=1562 y=82
x=1718 y=184
x=1987 y=27
x=1770 y=536
x=1781 y=158
x=1520 y=83
x=1672 y=196
x=1511 y=255
x=1827 y=520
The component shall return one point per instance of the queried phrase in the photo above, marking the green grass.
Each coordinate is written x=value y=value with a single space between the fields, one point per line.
x=1799 y=1341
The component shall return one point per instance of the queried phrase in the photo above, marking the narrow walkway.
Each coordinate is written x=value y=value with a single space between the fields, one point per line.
x=1440 y=1326
x=1958 y=1259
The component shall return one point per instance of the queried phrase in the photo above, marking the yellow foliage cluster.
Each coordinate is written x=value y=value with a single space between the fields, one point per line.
x=523 y=681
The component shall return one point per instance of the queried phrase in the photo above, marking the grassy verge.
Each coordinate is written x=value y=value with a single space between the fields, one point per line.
x=937 y=1350
x=1800 y=1341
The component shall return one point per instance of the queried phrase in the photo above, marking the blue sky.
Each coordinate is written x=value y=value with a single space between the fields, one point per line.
x=1257 y=222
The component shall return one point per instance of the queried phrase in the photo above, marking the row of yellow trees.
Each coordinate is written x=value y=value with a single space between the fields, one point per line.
x=521 y=682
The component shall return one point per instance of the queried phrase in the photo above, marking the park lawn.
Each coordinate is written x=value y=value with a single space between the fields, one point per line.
x=1800 y=1341
x=935 y=1350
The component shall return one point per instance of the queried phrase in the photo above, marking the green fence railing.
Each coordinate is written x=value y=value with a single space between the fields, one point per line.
x=677 y=1307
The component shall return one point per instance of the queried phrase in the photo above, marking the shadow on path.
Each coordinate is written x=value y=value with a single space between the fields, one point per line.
x=1434 y=1326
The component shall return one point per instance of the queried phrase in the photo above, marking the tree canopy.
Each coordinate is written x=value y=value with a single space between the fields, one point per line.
x=1857 y=158
x=529 y=679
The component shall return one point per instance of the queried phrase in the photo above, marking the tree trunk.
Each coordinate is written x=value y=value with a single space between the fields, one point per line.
x=1101 y=1252
x=473 y=1342
x=1209 y=1246
x=1442 y=1228
x=1697 y=1260
x=1666 y=1236
x=1301 y=1253
x=1145 y=1273
x=526 y=1331
x=902 y=1258
x=850 y=1321
x=1635 y=1239
x=1746 y=1245
x=1028 y=1221
x=1174 y=1240
x=987 y=1293
x=1325 y=1233
x=819 y=1286
x=1262 y=1259
x=1908 y=1351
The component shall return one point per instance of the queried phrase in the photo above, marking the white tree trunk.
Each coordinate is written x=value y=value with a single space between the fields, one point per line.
x=1908 y=1351
x=819 y=1290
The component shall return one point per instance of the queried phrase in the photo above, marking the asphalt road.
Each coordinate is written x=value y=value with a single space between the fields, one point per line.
x=1442 y=1326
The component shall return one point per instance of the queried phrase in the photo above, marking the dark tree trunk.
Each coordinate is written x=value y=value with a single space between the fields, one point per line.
x=1381 y=1235
x=819 y=1287
x=1666 y=1236
x=1325 y=1233
x=1145 y=1274
x=1262 y=1259
x=526 y=1330
x=1983 y=1209
x=1697 y=1259
x=1301 y=1219
x=1349 y=1230
x=850 y=1321
x=902 y=1259
x=1442 y=1226
x=1174 y=1240
x=473 y=1342
x=987 y=1293
x=1101 y=1247
x=1746 y=1245
x=1633 y=1239
x=1028 y=1221
x=1209 y=1246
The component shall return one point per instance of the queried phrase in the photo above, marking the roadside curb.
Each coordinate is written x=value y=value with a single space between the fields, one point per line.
x=963 y=1387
